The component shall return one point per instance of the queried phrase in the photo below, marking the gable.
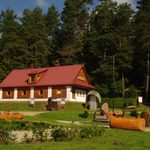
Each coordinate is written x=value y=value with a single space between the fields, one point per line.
x=82 y=77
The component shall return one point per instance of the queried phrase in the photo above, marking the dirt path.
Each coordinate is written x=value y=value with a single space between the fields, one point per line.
x=31 y=113
x=147 y=129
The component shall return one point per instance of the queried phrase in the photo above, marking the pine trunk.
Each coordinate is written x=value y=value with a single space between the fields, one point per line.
x=123 y=84
x=147 y=79
x=113 y=70
x=27 y=55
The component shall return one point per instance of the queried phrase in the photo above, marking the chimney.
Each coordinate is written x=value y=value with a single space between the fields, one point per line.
x=32 y=66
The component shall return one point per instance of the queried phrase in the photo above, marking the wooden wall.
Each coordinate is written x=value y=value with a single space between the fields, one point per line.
x=8 y=93
x=59 y=92
x=23 y=92
x=73 y=92
x=40 y=92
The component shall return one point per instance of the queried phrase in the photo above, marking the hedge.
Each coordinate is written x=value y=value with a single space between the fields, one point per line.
x=42 y=132
x=119 y=102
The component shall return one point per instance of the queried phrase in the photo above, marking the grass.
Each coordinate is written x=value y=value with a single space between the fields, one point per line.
x=112 y=139
x=143 y=108
x=22 y=106
x=59 y=115
x=69 y=113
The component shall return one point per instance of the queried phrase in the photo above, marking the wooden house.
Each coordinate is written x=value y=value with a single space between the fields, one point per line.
x=70 y=83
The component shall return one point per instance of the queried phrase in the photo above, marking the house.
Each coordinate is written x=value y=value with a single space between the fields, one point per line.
x=70 y=83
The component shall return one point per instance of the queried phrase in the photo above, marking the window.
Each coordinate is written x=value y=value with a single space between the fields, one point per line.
x=81 y=93
x=32 y=78
x=41 y=92
x=24 y=92
x=78 y=93
x=58 y=92
x=84 y=93
x=8 y=93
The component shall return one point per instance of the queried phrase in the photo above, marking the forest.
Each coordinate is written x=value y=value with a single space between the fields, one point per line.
x=112 y=41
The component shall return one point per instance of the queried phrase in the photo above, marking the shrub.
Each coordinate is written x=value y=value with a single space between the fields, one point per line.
x=59 y=134
x=119 y=102
x=39 y=135
x=131 y=92
x=42 y=132
x=90 y=132
x=85 y=114
x=134 y=113
x=4 y=136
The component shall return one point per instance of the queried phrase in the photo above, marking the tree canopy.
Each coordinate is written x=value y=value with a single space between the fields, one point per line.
x=112 y=41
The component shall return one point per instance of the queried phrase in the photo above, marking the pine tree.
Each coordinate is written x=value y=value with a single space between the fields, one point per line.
x=11 y=45
x=123 y=49
x=35 y=37
x=74 y=21
x=52 y=21
x=142 y=45
x=99 y=45
x=53 y=28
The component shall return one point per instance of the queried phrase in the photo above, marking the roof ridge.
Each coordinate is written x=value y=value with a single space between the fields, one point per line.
x=16 y=69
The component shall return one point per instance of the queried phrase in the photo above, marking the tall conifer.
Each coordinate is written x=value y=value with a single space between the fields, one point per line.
x=35 y=37
x=11 y=45
x=142 y=46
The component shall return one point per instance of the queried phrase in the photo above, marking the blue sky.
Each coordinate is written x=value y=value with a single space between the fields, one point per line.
x=19 y=5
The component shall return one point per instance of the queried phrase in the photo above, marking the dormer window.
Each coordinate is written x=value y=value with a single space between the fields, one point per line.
x=35 y=76
x=32 y=78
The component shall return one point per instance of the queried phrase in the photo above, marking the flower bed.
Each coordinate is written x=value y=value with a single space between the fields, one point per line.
x=11 y=115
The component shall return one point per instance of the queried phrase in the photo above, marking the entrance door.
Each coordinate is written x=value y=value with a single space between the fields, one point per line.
x=93 y=104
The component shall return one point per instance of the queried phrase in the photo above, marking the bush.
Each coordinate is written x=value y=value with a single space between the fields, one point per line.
x=131 y=92
x=59 y=134
x=90 y=132
x=4 y=136
x=134 y=113
x=119 y=102
x=85 y=114
x=42 y=132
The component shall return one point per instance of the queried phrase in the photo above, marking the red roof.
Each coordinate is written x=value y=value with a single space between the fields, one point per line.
x=52 y=76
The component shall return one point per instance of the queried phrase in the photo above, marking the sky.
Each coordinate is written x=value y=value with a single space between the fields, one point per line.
x=19 y=5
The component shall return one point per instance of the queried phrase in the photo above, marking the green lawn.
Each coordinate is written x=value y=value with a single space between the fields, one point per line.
x=59 y=115
x=112 y=139
x=22 y=106
x=70 y=112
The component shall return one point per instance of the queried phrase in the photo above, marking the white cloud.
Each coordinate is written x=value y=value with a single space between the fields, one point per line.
x=123 y=1
x=132 y=2
x=41 y=3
